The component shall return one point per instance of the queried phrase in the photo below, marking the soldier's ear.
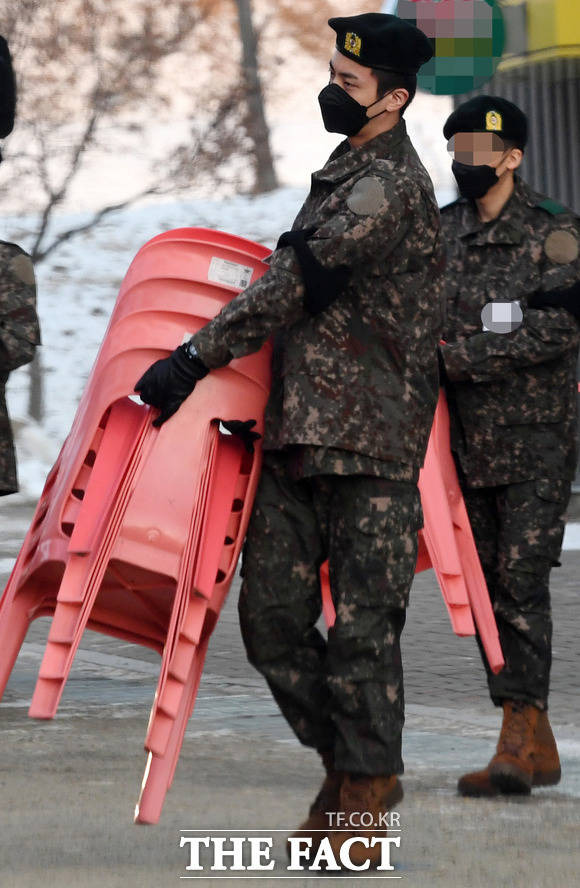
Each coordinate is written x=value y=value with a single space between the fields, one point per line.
x=396 y=99
x=514 y=158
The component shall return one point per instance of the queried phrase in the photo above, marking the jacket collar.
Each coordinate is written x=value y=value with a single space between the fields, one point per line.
x=345 y=160
x=507 y=228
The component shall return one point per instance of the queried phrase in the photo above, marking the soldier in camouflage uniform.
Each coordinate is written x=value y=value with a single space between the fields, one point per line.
x=18 y=322
x=512 y=394
x=352 y=296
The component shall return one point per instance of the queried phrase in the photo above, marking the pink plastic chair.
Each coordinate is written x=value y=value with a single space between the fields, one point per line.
x=138 y=530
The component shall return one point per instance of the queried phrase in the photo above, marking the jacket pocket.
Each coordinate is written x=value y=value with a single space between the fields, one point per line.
x=553 y=490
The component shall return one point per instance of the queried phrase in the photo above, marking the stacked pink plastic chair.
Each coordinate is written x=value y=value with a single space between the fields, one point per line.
x=138 y=530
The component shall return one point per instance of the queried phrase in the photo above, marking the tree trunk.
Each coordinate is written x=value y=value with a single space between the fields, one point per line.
x=35 y=398
x=265 y=174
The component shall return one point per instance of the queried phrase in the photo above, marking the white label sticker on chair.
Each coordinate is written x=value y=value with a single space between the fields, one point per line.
x=229 y=273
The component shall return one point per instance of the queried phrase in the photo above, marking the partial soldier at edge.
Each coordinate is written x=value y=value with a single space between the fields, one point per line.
x=19 y=331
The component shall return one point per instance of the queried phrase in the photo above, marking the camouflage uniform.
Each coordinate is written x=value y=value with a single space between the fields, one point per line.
x=346 y=694
x=513 y=409
x=347 y=423
x=19 y=336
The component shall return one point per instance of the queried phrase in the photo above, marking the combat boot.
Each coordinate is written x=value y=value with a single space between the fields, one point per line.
x=364 y=795
x=317 y=822
x=514 y=775
x=547 y=771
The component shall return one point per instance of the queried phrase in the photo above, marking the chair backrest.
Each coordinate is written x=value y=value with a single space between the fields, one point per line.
x=175 y=284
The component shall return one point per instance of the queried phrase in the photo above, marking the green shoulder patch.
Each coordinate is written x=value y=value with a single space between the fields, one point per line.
x=552 y=207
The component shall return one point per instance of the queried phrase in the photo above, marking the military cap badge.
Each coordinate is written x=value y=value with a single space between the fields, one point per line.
x=353 y=43
x=493 y=122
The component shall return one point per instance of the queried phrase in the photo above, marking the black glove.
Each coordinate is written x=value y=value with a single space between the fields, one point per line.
x=321 y=285
x=566 y=297
x=244 y=431
x=168 y=382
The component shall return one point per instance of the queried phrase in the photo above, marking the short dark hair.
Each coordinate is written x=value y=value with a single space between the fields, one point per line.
x=387 y=81
x=508 y=144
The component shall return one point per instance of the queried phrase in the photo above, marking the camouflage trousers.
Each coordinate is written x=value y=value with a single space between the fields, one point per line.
x=518 y=530
x=345 y=692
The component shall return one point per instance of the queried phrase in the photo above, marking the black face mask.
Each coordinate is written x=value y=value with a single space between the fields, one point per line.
x=341 y=113
x=474 y=181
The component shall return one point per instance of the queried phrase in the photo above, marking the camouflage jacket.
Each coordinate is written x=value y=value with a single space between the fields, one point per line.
x=362 y=375
x=512 y=395
x=19 y=335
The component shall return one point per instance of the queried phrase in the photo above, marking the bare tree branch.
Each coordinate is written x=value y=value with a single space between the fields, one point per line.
x=86 y=65
x=92 y=222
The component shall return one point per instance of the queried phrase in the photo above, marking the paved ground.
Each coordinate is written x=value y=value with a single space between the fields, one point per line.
x=69 y=786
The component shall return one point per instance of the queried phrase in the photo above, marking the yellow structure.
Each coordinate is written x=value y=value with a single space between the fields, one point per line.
x=554 y=24
x=550 y=29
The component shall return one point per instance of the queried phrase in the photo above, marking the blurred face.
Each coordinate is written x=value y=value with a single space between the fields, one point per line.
x=476 y=149
x=479 y=149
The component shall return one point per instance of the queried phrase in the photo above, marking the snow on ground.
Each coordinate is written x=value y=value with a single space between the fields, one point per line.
x=572 y=537
x=77 y=288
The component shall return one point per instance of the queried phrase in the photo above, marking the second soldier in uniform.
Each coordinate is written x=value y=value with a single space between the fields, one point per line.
x=352 y=298
x=513 y=295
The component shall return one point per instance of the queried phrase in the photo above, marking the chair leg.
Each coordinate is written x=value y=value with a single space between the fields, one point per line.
x=14 y=623
x=175 y=677
x=160 y=769
x=74 y=602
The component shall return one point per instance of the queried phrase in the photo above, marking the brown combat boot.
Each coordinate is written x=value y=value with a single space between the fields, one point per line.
x=543 y=759
x=317 y=822
x=362 y=795
x=547 y=771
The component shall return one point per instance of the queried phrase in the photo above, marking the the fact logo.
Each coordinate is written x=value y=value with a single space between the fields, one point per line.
x=254 y=854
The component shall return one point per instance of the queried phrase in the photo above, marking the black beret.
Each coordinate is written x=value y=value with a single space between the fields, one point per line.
x=489 y=114
x=377 y=40
x=7 y=91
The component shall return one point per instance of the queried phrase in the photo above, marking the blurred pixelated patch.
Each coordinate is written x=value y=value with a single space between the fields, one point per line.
x=467 y=36
x=502 y=317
